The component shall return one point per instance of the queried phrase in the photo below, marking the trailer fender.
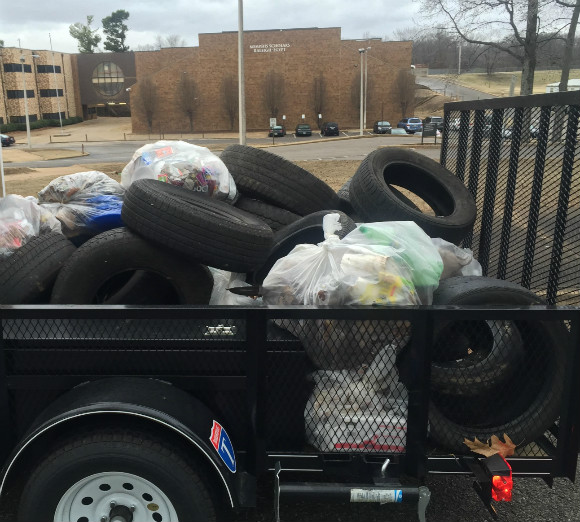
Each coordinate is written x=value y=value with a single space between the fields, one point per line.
x=144 y=400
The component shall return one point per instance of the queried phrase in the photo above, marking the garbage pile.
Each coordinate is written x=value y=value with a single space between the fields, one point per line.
x=184 y=226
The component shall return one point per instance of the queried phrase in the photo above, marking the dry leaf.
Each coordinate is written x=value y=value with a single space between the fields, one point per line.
x=492 y=446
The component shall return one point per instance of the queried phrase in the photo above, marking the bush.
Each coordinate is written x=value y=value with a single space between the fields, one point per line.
x=39 y=124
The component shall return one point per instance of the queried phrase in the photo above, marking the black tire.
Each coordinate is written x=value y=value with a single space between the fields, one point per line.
x=133 y=456
x=471 y=357
x=28 y=274
x=108 y=269
x=270 y=178
x=213 y=232
x=306 y=230
x=345 y=204
x=525 y=405
x=372 y=196
x=275 y=217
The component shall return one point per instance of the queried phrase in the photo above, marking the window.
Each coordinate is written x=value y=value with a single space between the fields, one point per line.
x=108 y=78
x=50 y=93
x=52 y=115
x=15 y=95
x=17 y=67
x=22 y=119
x=48 y=69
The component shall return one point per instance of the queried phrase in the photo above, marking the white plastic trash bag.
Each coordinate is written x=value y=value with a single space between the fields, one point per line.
x=22 y=219
x=85 y=202
x=336 y=272
x=182 y=164
x=456 y=261
x=358 y=411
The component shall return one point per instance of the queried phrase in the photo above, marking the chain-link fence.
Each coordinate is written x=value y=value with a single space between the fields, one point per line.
x=518 y=156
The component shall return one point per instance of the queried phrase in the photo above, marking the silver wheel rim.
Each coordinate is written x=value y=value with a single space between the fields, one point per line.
x=93 y=498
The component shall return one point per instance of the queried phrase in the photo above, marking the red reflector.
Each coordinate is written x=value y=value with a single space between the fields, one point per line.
x=501 y=486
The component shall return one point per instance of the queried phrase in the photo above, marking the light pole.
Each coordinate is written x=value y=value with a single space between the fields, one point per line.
x=241 y=93
x=366 y=81
x=361 y=52
x=459 y=64
x=22 y=60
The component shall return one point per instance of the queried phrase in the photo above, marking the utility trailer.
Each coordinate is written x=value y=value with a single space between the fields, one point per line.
x=113 y=413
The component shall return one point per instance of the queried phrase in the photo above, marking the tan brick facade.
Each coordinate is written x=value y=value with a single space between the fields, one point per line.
x=298 y=55
x=38 y=81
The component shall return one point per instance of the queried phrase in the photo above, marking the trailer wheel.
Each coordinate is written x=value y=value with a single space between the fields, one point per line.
x=101 y=475
x=372 y=195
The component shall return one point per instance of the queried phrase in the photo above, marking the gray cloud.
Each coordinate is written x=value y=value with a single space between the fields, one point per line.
x=32 y=20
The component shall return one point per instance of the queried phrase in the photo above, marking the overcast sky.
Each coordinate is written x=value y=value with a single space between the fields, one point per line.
x=32 y=20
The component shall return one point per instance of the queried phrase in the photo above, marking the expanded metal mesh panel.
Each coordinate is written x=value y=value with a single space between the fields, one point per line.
x=519 y=163
x=124 y=347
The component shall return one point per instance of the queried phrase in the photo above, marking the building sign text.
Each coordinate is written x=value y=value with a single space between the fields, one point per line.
x=270 y=48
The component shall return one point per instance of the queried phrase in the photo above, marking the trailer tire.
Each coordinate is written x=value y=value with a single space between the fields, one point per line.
x=108 y=269
x=306 y=230
x=275 y=180
x=28 y=274
x=215 y=233
x=82 y=475
x=526 y=404
x=275 y=217
x=372 y=195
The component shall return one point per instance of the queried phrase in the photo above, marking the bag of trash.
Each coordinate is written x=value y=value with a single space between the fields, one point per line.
x=407 y=244
x=358 y=411
x=456 y=261
x=182 y=164
x=336 y=272
x=22 y=219
x=85 y=202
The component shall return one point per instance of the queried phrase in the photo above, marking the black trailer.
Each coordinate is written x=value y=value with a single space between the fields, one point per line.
x=113 y=413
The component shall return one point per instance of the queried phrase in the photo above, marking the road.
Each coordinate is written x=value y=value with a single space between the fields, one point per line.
x=451 y=89
x=293 y=149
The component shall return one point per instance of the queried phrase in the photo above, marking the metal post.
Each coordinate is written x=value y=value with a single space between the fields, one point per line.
x=459 y=64
x=22 y=59
x=241 y=93
x=361 y=51
x=56 y=84
x=366 y=82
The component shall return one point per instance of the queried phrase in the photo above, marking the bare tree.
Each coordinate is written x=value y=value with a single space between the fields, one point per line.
x=188 y=97
x=273 y=92
x=230 y=98
x=490 y=56
x=405 y=91
x=468 y=18
x=147 y=100
x=318 y=96
x=567 y=60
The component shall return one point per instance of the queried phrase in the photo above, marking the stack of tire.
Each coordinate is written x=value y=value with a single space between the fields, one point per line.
x=173 y=235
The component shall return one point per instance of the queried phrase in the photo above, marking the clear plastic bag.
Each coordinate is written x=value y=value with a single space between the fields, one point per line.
x=22 y=219
x=456 y=261
x=339 y=272
x=85 y=202
x=409 y=246
x=182 y=164
x=362 y=410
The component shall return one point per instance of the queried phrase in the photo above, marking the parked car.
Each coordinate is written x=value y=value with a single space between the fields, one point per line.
x=278 y=130
x=437 y=120
x=303 y=129
x=411 y=125
x=7 y=140
x=330 y=128
x=382 y=127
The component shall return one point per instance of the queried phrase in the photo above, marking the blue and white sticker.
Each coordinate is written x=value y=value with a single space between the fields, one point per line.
x=381 y=496
x=223 y=445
